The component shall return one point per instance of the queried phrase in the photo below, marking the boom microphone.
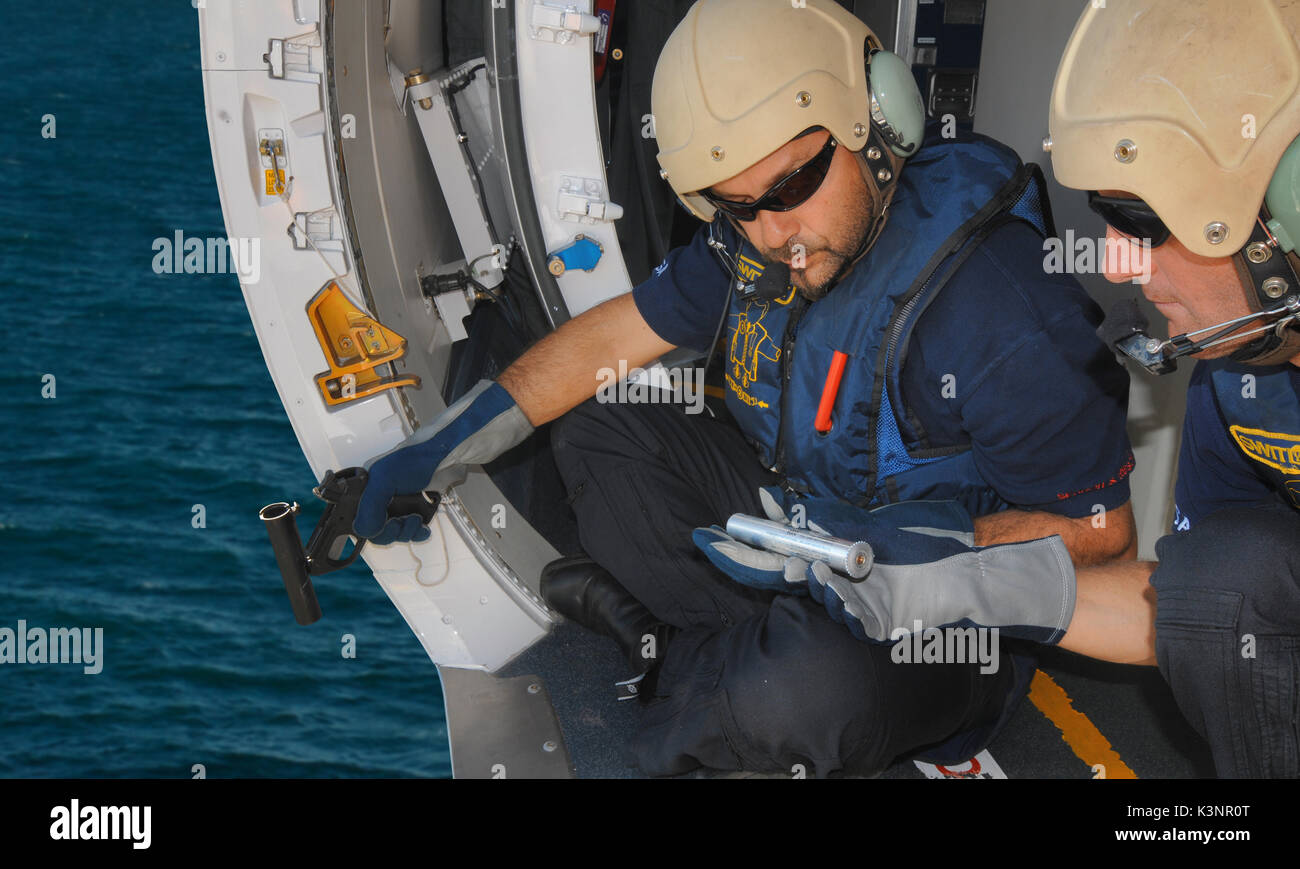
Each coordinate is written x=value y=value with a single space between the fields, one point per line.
x=773 y=283
x=1123 y=320
x=1125 y=329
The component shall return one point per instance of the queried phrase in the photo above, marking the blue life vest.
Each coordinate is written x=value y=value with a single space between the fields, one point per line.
x=1261 y=410
x=950 y=197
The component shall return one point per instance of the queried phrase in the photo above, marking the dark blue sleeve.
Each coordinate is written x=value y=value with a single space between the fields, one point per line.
x=1212 y=472
x=683 y=299
x=1042 y=401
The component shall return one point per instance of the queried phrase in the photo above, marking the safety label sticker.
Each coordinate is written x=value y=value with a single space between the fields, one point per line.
x=981 y=765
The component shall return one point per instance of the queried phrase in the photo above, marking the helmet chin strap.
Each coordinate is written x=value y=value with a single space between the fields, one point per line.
x=1273 y=294
x=1273 y=283
x=882 y=198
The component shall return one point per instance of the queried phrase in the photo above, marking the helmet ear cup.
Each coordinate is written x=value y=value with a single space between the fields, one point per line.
x=1283 y=199
x=897 y=108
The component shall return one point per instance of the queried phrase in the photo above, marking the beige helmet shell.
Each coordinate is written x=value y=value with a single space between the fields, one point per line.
x=738 y=79
x=1160 y=98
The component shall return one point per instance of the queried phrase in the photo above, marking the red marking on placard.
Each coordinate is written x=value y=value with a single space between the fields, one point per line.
x=974 y=769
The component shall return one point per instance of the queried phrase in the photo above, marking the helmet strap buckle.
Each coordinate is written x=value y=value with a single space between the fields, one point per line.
x=1270 y=282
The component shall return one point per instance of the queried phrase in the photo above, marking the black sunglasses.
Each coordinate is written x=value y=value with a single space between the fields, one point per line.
x=1130 y=216
x=790 y=192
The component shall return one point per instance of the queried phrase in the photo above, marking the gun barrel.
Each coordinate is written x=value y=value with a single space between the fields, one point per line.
x=282 y=528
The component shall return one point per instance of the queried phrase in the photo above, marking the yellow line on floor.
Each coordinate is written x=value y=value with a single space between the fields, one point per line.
x=1083 y=737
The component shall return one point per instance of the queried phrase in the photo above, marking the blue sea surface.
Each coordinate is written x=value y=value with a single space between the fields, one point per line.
x=161 y=402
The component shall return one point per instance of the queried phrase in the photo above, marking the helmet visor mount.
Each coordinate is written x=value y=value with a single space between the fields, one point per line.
x=786 y=194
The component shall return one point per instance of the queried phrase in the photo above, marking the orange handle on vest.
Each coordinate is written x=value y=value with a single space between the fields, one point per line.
x=832 y=388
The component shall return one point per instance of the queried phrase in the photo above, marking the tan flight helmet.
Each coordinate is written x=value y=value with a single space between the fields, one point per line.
x=738 y=79
x=1194 y=107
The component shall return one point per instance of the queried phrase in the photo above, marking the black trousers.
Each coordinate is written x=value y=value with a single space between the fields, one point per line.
x=754 y=680
x=1228 y=635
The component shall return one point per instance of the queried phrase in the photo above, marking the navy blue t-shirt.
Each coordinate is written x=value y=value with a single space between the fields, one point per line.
x=1214 y=470
x=1040 y=399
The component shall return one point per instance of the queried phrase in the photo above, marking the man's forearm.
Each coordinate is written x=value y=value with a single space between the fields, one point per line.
x=560 y=371
x=1112 y=536
x=1115 y=605
x=1114 y=614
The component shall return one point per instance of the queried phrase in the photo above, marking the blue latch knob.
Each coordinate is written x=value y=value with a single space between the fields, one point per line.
x=584 y=253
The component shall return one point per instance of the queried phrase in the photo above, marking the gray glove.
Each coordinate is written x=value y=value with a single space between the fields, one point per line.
x=1026 y=590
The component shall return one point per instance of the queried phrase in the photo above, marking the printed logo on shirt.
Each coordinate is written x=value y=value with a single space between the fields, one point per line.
x=661 y=268
x=1181 y=522
x=748 y=270
x=1280 y=451
x=751 y=342
x=1293 y=490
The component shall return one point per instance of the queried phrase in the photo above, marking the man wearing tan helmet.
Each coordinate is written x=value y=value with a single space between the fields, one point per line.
x=1182 y=117
x=899 y=368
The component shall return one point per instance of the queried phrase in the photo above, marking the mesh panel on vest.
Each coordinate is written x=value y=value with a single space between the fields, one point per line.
x=1029 y=207
x=891 y=452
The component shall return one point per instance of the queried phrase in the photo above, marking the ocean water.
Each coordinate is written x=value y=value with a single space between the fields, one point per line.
x=161 y=402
